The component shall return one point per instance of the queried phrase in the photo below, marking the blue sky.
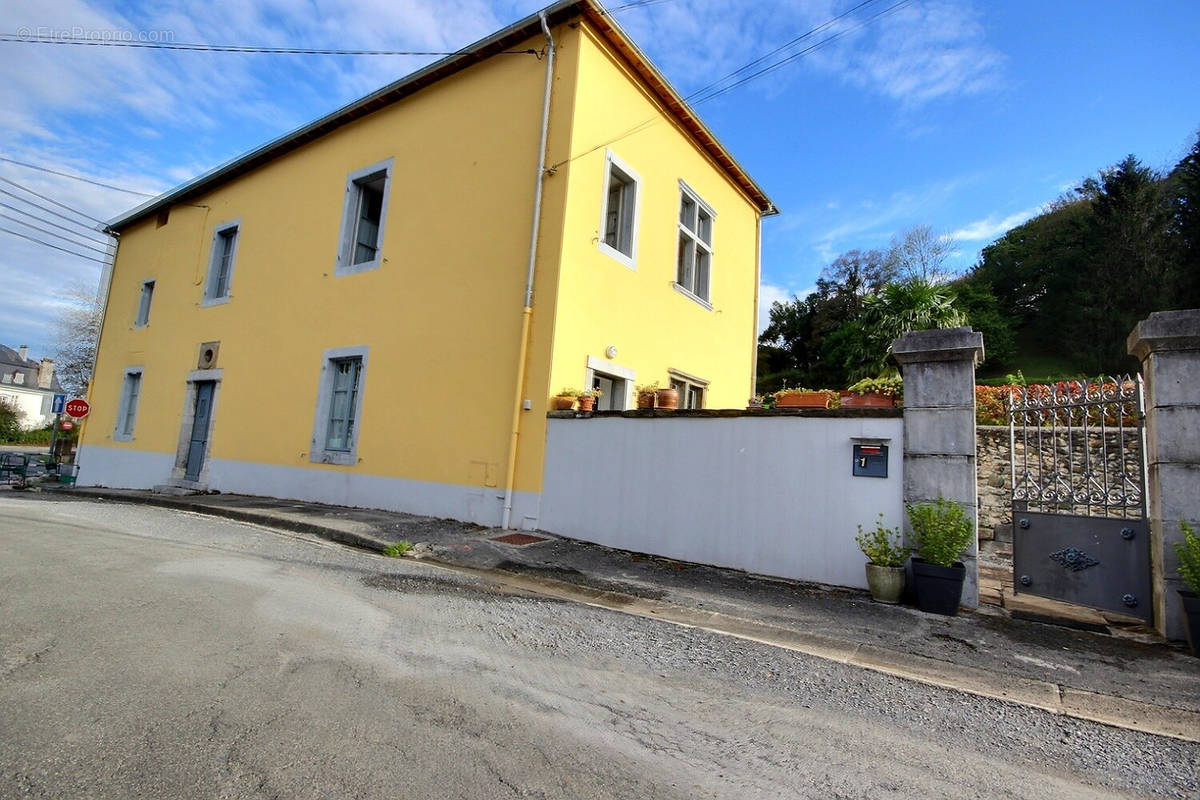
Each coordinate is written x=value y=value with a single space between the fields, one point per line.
x=967 y=116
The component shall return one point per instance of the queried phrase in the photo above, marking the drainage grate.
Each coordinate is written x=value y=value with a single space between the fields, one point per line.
x=519 y=539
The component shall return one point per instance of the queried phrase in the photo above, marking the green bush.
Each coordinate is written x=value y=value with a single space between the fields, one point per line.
x=1189 y=557
x=882 y=546
x=398 y=549
x=941 y=531
x=10 y=418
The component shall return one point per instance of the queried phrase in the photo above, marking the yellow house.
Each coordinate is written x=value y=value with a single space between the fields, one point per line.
x=374 y=309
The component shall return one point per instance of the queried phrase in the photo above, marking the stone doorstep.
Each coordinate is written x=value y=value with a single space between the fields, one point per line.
x=1053 y=612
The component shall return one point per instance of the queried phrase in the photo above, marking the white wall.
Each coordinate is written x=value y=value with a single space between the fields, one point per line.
x=771 y=495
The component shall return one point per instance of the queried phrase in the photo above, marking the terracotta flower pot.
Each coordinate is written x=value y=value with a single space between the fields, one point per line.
x=803 y=400
x=586 y=403
x=868 y=400
x=563 y=403
x=667 y=399
x=645 y=400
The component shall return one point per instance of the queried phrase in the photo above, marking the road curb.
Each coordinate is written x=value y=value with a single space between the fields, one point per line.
x=1045 y=696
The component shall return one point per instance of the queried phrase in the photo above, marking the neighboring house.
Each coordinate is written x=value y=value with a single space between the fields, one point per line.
x=28 y=385
x=345 y=313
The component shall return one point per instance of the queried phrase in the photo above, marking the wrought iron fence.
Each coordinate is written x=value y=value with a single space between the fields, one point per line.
x=1076 y=447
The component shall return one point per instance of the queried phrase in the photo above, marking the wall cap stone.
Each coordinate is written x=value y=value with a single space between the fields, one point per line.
x=942 y=344
x=1165 y=330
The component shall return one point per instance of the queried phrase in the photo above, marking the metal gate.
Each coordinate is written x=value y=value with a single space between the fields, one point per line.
x=1077 y=455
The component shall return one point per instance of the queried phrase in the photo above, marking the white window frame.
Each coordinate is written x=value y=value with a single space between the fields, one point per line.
x=614 y=162
x=344 y=264
x=704 y=299
x=685 y=382
x=127 y=409
x=220 y=233
x=318 y=453
x=145 y=300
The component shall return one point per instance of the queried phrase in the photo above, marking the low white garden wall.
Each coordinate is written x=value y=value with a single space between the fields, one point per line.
x=768 y=494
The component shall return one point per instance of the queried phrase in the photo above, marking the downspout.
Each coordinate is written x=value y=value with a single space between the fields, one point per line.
x=757 y=301
x=510 y=473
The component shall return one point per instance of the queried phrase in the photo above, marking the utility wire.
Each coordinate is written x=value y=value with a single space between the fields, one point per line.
x=58 y=236
x=236 y=48
x=36 y=218
x=75 y=177
x=56 y=247
x=51 y=200
x=47 y=210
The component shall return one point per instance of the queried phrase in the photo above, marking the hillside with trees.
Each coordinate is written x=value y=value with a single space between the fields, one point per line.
x=1054 y=297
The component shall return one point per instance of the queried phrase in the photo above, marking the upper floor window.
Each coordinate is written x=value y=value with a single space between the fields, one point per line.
x=363 y=217
x=143 y=312
x=619 y=219
x=220 y=266
x=694 y=265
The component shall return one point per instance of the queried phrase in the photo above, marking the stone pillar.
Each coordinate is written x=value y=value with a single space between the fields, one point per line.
x=939 y=426
x=1168 y=345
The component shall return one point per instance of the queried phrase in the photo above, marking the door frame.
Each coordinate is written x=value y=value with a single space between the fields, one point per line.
x=187 y=419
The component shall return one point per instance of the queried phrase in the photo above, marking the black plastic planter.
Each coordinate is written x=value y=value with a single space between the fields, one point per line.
x=939 y=589
x=1191 y=619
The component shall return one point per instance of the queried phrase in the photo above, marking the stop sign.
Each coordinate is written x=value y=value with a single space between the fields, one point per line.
x=77 y=408
x=67 y=425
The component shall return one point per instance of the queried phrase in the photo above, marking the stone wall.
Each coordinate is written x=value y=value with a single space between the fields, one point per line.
x=995 y=506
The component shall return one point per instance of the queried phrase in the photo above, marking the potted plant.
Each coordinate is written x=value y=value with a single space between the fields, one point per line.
x=1189 y=569
x=801 y=398
x=941 y=532
x=874 y=393
x=645 y=394
x=667 y=398
x=565 y=399
x=587 y=399
x=885 y=561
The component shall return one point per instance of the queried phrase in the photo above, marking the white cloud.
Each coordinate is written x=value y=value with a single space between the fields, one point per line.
x=991 y=226
x=769 y=293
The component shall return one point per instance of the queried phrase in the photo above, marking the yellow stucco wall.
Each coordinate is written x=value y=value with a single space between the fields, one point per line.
x=441 y=316
x=602 y=302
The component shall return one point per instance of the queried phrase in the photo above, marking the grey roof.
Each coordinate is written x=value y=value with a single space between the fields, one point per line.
x=12 y=363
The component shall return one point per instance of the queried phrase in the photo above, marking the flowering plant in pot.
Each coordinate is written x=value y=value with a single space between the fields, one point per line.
x=587 y=399
x=941 y=532
x=645 y=394
x=1188 y=551
x=801 y=398
x=565 y=399
x=885 y=561
x=882 y=392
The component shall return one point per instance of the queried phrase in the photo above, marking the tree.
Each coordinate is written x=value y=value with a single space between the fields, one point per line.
x=1184 y=194
x=919 y=253
x=910 y=305
x=78 y=328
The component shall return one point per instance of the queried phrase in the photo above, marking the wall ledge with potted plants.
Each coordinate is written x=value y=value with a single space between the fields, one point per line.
x=1188 y=552
x=885 y=561
x=802 y=398
x=874 y=393
x=942 y=531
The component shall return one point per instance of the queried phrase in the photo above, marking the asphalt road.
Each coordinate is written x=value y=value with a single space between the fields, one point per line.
x=152 y=653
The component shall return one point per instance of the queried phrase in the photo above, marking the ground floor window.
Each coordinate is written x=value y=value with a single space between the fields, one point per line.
x=339 y=406
x=692 y=390
x=612 y=391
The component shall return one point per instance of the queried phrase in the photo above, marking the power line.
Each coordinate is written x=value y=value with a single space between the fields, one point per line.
x=51 y=200
x=801 y=53
x=53 y=224
x=56 y=247
x=236 y=48
x=75 y=177
x=47 y=210
x=58 y=236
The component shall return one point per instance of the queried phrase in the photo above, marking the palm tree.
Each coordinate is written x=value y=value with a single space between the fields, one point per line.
x=902 y=306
